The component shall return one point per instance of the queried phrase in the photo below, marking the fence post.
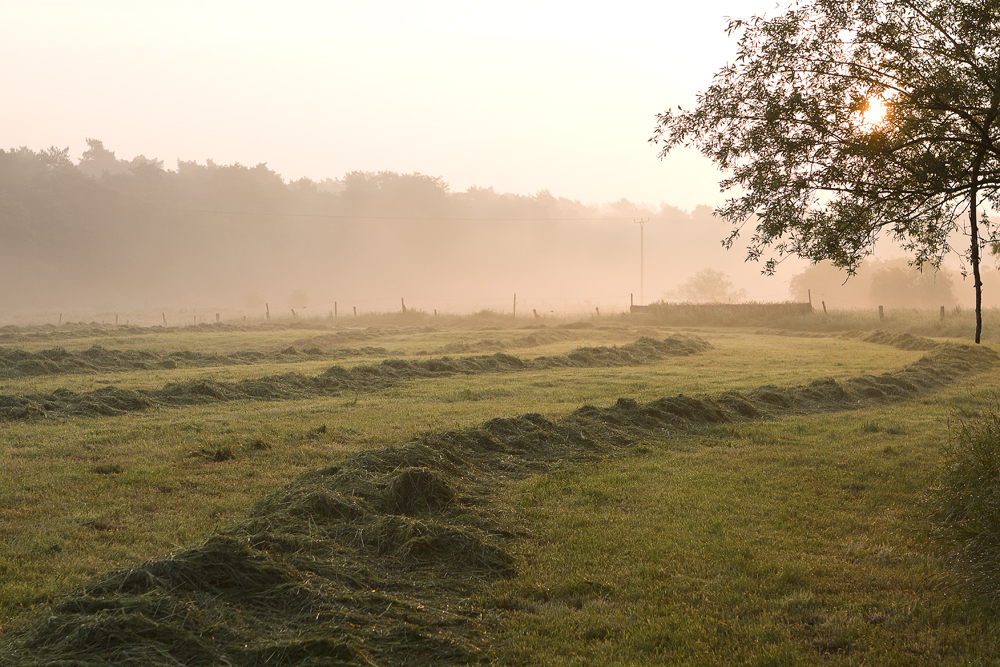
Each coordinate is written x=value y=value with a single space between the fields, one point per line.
x=403 y=304
x=335 y=309
x=267 y=311
x=942 y=313
x=881 y=314
x=824 y=306
x=515 y=305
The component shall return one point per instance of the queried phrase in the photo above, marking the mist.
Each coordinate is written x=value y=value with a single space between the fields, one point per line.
x=103 y=234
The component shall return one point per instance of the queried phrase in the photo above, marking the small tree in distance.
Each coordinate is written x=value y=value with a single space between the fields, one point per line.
x=892 y=282
x=793 y=121
x=708 y=286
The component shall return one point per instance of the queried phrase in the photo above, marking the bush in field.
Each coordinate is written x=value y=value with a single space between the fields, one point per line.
x=709 y=286
x=966 y=503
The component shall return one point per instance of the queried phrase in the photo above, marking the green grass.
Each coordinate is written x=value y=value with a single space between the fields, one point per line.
x=799 y=541
x=965 y=501
x=792 y=541
x=82 y=522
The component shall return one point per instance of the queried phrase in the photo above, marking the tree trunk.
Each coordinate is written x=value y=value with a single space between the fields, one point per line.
x=974 y=256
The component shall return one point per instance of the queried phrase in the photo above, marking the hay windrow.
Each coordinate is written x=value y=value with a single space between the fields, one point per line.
x=375 y=560
x=17 y=363
x=109 y=401
x=900 y=341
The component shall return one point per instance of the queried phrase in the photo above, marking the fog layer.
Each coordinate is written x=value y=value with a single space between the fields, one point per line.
x=106 y=233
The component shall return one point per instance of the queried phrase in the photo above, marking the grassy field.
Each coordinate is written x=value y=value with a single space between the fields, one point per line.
x=795 y=539
x=798 y=541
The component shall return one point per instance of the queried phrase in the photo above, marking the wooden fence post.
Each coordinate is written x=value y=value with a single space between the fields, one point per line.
x=335 y=309
x=824 y=307
x=942 y=313
x=881 y=314
x=515 y=305
x=267 y=311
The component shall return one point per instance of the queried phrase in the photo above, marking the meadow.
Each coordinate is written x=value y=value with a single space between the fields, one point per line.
x=614 y=490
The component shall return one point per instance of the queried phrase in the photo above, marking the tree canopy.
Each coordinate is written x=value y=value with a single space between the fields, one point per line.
x=709 y=286
x=816 y=171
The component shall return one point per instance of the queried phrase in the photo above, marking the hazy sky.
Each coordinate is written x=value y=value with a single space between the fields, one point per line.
x=520 y=96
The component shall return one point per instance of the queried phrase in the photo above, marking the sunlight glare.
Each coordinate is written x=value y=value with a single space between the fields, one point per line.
x=873 y=116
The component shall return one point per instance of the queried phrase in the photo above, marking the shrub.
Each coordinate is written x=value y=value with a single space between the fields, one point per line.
x=965 y=504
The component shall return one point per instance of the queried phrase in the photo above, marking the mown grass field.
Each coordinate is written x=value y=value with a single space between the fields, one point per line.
x=794 y=539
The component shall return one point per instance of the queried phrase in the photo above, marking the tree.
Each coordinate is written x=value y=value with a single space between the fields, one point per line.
x=890 y=282
x=709 y=286
x=899 y=285
x=98 y=161
x=793 y=123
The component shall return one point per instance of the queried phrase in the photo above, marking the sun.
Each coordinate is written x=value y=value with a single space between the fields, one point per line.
x=873 y=116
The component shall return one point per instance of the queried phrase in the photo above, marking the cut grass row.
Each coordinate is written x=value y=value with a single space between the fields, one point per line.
x=65 y=520
x=335 y=381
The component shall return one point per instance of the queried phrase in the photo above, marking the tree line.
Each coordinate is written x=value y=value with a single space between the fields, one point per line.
x=110 y=232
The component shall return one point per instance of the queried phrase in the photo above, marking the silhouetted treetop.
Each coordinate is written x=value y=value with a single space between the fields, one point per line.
x=821 y=175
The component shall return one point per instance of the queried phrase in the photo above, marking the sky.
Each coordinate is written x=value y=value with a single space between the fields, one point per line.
x=518 y=96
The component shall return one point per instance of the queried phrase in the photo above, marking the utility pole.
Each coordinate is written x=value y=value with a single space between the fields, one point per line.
x=642 y=227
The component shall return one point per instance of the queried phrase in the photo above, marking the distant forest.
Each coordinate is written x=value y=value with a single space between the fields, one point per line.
x=112 y=233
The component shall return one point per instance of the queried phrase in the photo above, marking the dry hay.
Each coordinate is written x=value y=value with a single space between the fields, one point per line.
x=109 y=401
x=367 y=562
x=17 y=363
x=416 y=491
x=376 y=560
x=901 y=341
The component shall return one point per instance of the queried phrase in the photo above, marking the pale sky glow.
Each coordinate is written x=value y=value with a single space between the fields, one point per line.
x=520 y=96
